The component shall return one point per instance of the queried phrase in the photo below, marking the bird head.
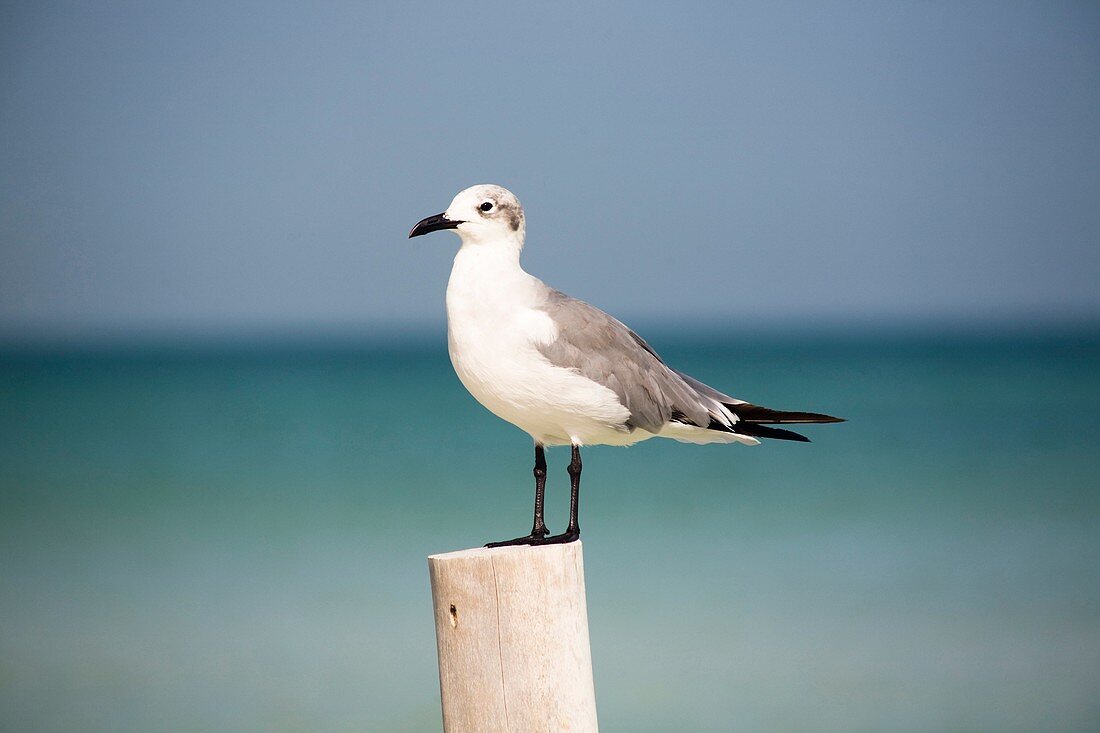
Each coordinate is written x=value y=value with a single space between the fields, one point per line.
x=480 y=214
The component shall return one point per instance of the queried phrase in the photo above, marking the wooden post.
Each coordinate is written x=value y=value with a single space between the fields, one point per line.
x=511 y=625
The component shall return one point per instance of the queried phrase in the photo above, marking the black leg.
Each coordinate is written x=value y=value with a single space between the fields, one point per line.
x=538 y=531
x=575 y=491
x=572 y=533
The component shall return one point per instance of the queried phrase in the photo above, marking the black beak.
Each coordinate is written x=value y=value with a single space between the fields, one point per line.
x=432 y=224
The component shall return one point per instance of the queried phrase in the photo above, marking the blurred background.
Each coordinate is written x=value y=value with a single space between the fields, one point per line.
x=230 y=433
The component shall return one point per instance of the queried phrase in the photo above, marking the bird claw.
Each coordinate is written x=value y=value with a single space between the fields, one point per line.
x=540 y=539
x=528 y=540
x=563 y=538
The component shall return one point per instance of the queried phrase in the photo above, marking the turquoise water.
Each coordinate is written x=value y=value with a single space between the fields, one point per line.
x=233 y=538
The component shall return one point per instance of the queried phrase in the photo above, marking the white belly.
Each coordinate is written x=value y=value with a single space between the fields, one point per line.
x=505 y=372
x=493 y=334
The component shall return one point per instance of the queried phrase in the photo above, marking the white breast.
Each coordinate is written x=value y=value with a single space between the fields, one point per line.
x=494 y=328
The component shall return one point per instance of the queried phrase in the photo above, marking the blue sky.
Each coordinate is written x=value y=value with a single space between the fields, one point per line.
x=233 y=167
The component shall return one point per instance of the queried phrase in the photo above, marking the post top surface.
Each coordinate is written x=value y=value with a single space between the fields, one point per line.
x=485 y=552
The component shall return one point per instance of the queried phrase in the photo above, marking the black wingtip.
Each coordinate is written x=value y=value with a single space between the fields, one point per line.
x=751 y=413
x=756 y=430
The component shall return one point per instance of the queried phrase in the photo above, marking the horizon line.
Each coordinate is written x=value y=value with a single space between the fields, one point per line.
x=416 y=333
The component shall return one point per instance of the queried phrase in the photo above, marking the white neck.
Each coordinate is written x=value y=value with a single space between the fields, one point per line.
x=487 y=283
x=492 y=237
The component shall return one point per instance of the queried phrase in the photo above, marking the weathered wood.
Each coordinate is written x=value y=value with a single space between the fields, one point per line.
x=512 y=631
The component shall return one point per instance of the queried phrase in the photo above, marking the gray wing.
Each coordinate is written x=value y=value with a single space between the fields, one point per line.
x=711 y=392
x=604 y=350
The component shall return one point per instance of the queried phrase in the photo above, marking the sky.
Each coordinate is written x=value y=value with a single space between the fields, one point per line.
x=216 y=167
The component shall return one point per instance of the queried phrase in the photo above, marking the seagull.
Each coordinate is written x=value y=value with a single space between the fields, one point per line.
x=563 y=371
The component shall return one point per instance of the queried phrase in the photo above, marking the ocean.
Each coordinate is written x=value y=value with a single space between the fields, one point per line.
x=232 y=536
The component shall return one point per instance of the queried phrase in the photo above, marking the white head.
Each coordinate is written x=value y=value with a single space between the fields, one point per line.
x=482 y=214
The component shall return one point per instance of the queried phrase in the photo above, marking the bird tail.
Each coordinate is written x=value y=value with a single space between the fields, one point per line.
x=753 y=420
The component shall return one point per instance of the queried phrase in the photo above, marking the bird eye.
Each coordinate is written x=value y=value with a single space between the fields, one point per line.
x=487 y=206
